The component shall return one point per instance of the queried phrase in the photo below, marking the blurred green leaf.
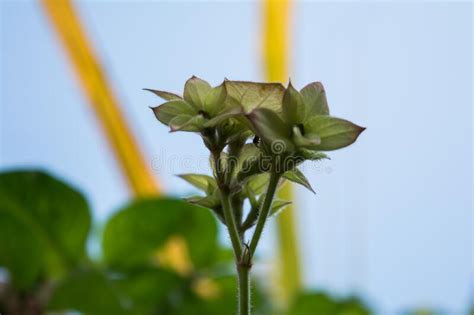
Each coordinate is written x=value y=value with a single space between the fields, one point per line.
x=20 y=249
x=45 y=224
x=222 y=302
x=89 y=292
x=148 y=289
x=144 y=226
x=322 y=303
x=353 y=306
x=313 y=303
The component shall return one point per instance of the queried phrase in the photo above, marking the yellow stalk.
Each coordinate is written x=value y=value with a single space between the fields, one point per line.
x=275 y=55
x=96 y=88
x=105 y=104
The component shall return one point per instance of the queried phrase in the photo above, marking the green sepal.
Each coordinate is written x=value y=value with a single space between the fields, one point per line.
x=248 y=155
x=251 y=196
x=196 y=91
x=214 y=101
x=223 y=115
x=252 y=95
x=210 y=202
x=304 y=141
x=278 y=206
x=335 y=133
x=258 y=183
x=296 y=176
x=272 y=129
x=313 y=155
x=314 y=97
x=187 y=123
x=168 y=96
x=224 y=157
x=294 y=110
x=169 y=110
x=203 y=182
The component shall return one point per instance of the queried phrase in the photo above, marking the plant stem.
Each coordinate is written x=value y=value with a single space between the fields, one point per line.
x=243 y=264
x=262 y=218
x=231 y=225
x=250 y=220
x=244 y=289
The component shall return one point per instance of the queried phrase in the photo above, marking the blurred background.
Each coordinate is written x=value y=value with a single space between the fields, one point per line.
x=392 y=220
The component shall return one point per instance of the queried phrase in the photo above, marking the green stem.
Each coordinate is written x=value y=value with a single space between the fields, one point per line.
x=231 y=225
x=262 y=218
x=244 y=289
x=229 y=215
x=250 y=220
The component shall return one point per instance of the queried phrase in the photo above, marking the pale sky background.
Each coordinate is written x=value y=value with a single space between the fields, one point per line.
x=393 y=217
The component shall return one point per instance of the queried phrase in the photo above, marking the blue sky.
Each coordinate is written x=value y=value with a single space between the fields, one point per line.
x=392 y=217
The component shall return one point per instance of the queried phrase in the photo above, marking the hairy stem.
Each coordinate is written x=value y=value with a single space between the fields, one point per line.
x=244 y=289
x=229 y=215
x=231 y=225
x=262 y=218
x=250 y=220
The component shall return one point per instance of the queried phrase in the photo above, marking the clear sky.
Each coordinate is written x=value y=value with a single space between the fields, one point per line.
x=392 y=218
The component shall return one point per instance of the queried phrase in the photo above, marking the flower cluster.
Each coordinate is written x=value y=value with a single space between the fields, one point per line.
x=253 y=130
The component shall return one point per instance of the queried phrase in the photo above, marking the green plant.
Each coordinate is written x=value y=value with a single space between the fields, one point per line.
x=44 y=226
x=286 y=128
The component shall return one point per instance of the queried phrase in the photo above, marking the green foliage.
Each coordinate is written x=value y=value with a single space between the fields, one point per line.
x=288 y=126
x=44 y=225
x=88 y=292
x=144 y=226
x=129 y=280
x=147 y=289
x=20 y=250
x=322 y=303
